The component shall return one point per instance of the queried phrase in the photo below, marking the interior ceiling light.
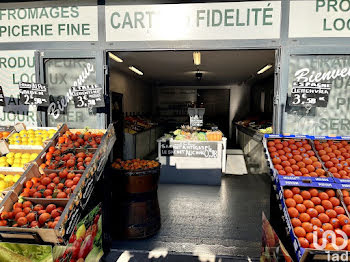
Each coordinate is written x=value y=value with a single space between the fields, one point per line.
x=264 y=69
x=197 y=58
x=115 y=58
x=134 y=69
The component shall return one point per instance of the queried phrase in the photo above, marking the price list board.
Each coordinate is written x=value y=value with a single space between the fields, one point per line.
x=33 y=94
x=88 y=96
x=314 y=94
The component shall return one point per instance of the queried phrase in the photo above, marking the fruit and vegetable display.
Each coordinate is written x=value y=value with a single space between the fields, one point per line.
x=26 y=214
x=197 y=134
x=13 y=159
x=291 y=157
x=134 y=164
x=85 y=244
x=263 y=126
x=317 y=210
x=135 y=124
x=31 y=137
x=8 y=180
x=53 y=185
x=335 y=156
x=4 y=134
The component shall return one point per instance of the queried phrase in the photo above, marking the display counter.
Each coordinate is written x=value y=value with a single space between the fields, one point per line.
x=141 y=144
x=250 y=140
x=191 y=162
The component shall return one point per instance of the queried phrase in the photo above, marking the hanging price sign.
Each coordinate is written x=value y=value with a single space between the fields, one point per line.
x=314 y=94
x=88 y=96
x=33 y=94
x=2 y=98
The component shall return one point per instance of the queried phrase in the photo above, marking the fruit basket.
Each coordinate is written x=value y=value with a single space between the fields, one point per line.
x=335 y=158
x=311 y=209
x=294 y=159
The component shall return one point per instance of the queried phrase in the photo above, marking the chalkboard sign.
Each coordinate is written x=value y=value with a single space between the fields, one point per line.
x=2 y=97
x=166 y=149
x=33 y=94
x=88 y=96
x=196 y=121
x=195 y=149
x=314 y=94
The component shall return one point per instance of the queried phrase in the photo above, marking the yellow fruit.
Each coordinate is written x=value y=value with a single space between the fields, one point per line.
x=15 y=178
x=3 y=185
x=8 y=178
x=33 y=156
x=25 y=155
x=2 y=176
x=10 y=161
x=53 y=131
x=3 y=159
x=10 y=155
x=18 y=155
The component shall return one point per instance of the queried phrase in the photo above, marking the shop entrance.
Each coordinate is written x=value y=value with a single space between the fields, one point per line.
x=236 y=90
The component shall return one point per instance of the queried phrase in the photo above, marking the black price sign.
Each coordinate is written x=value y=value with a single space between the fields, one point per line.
x=306 y=93
x=2 y=98
x=166 y=149
x=33 y=94
x=88 y=96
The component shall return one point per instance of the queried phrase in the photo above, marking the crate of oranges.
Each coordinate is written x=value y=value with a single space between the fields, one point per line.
x=294 y=159
x=335 y=158
x=315 y=215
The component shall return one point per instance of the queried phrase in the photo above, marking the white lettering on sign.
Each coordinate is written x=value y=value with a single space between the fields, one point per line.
x=33 y=22
x=319 y=18
x=304 y=75
x=54 y=110
x=211 y=21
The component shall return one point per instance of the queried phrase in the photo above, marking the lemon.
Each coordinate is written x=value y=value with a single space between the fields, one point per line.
x=8 y=178
x=24 y=161
x=10 y=155
x=2 y=176
x=16 y=136
x=3 y=159
x=4 y=164
x=52 y=131
x=15 y=178
x=26 y=155
x=33 y=156
x=17 y=142
x=18 y=155
x=10 y=161
x=3 y=185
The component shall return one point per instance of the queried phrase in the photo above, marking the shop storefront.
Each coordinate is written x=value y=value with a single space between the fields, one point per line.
x=65 y=45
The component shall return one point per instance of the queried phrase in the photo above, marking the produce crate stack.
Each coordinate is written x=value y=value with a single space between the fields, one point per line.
x=46 y=202
x=311 y=177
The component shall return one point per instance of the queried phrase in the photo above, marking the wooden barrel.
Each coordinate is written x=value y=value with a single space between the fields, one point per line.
x=141 y=181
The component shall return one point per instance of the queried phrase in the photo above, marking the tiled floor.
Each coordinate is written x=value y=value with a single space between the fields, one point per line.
x=219 y=223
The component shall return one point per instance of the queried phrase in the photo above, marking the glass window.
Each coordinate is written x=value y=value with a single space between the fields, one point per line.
x=60 y=76
x=334 y=118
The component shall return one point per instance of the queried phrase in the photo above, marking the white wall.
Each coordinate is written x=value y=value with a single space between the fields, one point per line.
x=137 y=95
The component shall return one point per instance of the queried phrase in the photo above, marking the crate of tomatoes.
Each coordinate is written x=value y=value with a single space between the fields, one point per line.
x=294 y=159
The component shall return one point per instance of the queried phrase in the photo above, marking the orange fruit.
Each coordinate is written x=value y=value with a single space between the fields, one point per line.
x=345 y=193
x=308 y=227
x=276 y=160
x=303 y=242
x=312 y=212
x=320 y=172
x=290 y=202
x=293 y=212
x=335 y=201
x=301 y=208
x=313 y=192
x=310 y=237
x=296 y=190
x=299 y=232
x=327 y=204
x=298 y=199
x=316 y=200
x=329 y=246
x=346 y=229
x=331 y=213
x=288 y=170
x=327 y=226
x=301 y=165
x=347 y=200
x=310 y=168
x=288 y=193
x=335 y=222
x=304 y=171
x=323 y=196
x=296 y=222
x=298 y=158
x=343 y=220
x=320 y=209
x=304 y=217
x=322 y=241
x=323 y=218
x=295 y=167
x=325 y=158
x=308 y=204
x=339 y=210
x=316 y=222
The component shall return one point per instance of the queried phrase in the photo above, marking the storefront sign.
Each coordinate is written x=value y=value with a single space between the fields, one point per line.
x=210 y=21
x=33 y=94
x=15 y=67
x=314 y=94
x=34 y=22
x=195 y=149
x=2 y=98
x=319 y=18
x=88 y=96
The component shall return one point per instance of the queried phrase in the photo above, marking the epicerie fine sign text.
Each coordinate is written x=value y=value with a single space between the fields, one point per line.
x=30 y=22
